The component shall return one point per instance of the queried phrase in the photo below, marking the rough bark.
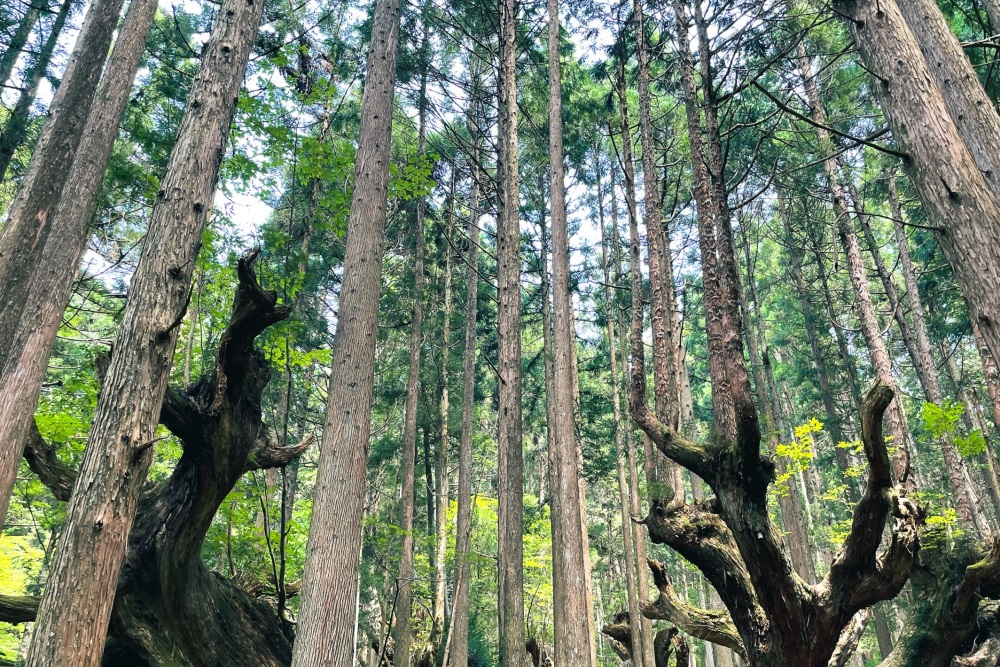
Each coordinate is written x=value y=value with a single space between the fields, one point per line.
x=169 y=608
x=944 y=153
x=441 y=493
x=80 y=590
x=14 y=131
x=511 y=463
x=661 y=310
x=570 y=610
x=28 y=218
x=47 y=290
x=330 y=580
x=402 y=634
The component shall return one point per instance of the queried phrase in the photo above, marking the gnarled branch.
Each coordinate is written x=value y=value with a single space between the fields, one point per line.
x=711 y=625
x=18 y=608
x=45 y=463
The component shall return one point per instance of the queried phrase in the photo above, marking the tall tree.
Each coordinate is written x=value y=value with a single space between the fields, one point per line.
x=72 y=620
x=330 y=580
x=511 y=462
x=572 y=637
x=28 y=226
x=47 y=288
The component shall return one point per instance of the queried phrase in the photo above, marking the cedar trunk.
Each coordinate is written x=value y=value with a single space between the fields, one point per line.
x=325 y=633
x=81 y=587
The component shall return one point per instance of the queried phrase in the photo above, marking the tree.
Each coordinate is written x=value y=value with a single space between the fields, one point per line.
x=85 y=573
x=511 y=463
x=46 y=289
x=29 y=216
x=330 y=580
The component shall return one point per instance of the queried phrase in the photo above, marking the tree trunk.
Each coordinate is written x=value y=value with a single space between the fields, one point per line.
x=628 y=170
x=169 y=608
x=459 y=636
x=661 y=311
x=440 y=574
x=15 y=128
x=80 y=590
x=624 y=492
x=325 y=634
x=511 y=463
x=571 y=616
x=402 y=634
x=17 y=42
x=24 y=236
x=946 y=157
x=47 y=291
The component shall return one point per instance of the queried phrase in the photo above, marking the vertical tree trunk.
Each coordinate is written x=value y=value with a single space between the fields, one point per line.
x=440 y=576
x=48 y=291
x=73 y=617
x=572 y=620
x=631 y=204
x=789 y=501
x=511 y=462
x=23 y=237
x=15 y=128
x=661 y=310
x=624 y=492
x=402 y=635
x=17 y=42
x=459 y=636
x=325 y=634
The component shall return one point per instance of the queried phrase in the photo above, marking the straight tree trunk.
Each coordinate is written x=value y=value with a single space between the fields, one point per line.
x=458 y=638
x=440 y=574
x=624 y=492
x=18 y=41
x=660 y=277
x=645 y=625
x=402 y=634
x=510 y=454
x=72 y=620
x=51 y=277
x=949 y=155
x=325 y=633
x=15 y=128
x=571 y=615
x=23 y=237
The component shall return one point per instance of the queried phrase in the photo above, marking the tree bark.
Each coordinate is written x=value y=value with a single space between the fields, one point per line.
x=325 y=633
x=856 y=270
x=628 y=170
x=49 y=284
x=511 y=463
x=624 y=492
x=661 y=310
x=459 y=636
x=14 y=129
x=77 y=603
x=572 y=620
x=947 y=157
x=23 y=237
